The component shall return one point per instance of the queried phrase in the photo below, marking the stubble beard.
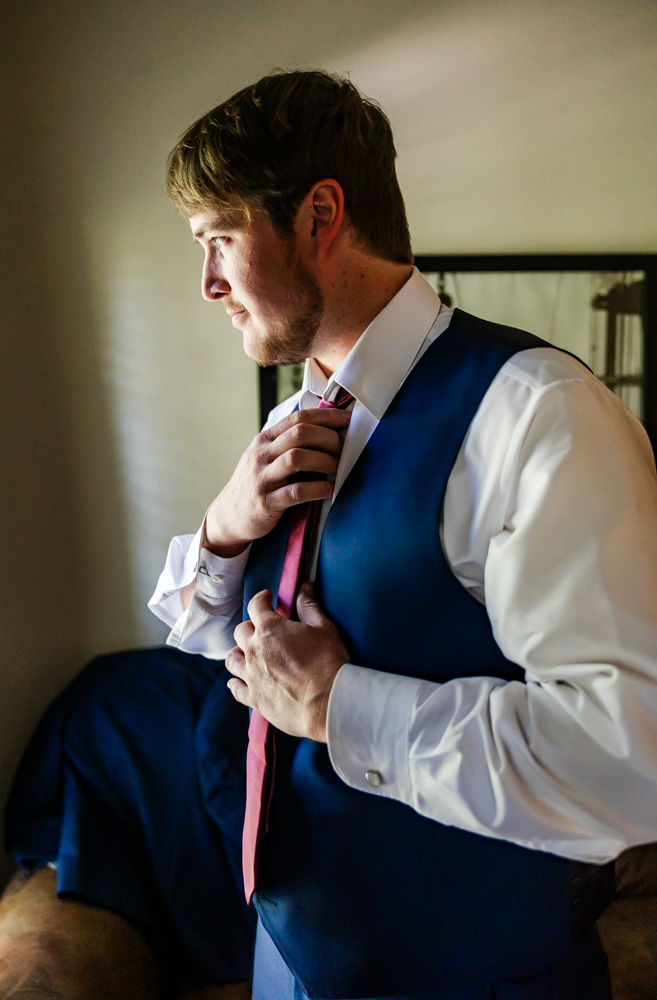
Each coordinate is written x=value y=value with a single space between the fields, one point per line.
x=290 y=341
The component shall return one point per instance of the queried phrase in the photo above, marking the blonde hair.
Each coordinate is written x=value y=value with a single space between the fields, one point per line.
x=265 y=147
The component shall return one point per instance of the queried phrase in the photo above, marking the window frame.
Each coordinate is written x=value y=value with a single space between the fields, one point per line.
x=505 y=263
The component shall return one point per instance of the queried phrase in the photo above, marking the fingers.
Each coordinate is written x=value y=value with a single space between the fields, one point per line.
x=303 y=448
x=308 y=609
x=294 y=493
x=261 y=610
x=236 y=664
x=281 y=493
x=302 y=460
x=306 y=442
x=311 y=437
x=308 y=429
x=242 y=633
x=235 y=661
x=240 y=691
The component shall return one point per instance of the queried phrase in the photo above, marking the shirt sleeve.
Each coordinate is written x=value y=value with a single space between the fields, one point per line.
x=566 y=762
x=215 y=609
x=206 y=627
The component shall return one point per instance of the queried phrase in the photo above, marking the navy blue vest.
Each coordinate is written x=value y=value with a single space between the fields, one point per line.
x=362 y=895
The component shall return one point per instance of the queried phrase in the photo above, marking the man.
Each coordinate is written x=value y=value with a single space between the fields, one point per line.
x=475 y=754
x=464 y=710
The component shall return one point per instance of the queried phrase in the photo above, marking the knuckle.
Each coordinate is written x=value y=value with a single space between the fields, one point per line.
x=271 y=497
x=262 y=499
x=259 y=456
x=294 y=492
x=265 y=629
x=258 y=451
x=269 y=507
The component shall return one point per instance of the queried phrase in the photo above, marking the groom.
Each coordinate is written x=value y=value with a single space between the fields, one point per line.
x=442 y=788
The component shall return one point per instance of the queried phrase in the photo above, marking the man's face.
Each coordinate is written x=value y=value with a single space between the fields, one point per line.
x=261 y=279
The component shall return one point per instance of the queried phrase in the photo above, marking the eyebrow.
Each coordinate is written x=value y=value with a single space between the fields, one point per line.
x=202 y=230
x=226 y=222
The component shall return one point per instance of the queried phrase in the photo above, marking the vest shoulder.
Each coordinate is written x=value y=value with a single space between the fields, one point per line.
x=507 y=336
x=561 y=362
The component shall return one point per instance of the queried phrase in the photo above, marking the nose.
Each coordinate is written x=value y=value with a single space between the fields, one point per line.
x=213 y=285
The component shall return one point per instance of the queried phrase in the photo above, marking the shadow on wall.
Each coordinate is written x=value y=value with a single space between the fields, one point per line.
x=45 y=580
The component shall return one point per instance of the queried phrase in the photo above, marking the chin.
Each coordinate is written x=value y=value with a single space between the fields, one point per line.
x=268 y=349
x=255 y=347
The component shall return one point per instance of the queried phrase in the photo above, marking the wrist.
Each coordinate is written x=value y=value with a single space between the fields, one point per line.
x=217 y=543
x=224 y=549
x=318 y=728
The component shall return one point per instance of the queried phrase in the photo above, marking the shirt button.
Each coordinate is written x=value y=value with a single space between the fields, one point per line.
x=203 y=570
x=374 y=778
x=216 y=578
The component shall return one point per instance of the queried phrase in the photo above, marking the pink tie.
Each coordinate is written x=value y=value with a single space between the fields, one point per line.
x=261 y=752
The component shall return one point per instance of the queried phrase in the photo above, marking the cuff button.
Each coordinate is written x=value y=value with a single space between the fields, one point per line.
x=374 y=778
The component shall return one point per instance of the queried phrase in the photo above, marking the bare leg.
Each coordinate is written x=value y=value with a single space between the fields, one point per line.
x=56 y=950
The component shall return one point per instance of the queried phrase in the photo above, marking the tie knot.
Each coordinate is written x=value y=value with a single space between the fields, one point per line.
x=340 y=402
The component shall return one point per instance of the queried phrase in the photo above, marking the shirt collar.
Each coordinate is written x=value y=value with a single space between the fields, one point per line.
x=379 y=361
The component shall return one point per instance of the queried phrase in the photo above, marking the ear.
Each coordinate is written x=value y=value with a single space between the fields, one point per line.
x=321 y=215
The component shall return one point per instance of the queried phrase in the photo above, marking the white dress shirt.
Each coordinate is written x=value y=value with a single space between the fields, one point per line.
x=550 y=519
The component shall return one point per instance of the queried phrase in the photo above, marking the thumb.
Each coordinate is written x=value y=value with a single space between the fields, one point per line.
x=308 y=609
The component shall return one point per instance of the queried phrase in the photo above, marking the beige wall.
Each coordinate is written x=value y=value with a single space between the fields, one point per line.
x=521 y=126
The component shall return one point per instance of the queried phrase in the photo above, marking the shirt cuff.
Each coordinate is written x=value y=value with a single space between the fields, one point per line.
x=207 y=625
x=179 y=571
x=367 y=725
x=218 y=576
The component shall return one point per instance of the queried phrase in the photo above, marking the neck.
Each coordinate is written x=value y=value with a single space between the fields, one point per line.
x=354 y=294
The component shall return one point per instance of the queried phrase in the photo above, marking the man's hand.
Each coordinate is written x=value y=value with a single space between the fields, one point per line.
x=286 y=669
x=262 y=487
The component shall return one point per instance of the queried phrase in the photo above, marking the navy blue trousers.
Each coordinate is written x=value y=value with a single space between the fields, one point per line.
x=134 y=782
